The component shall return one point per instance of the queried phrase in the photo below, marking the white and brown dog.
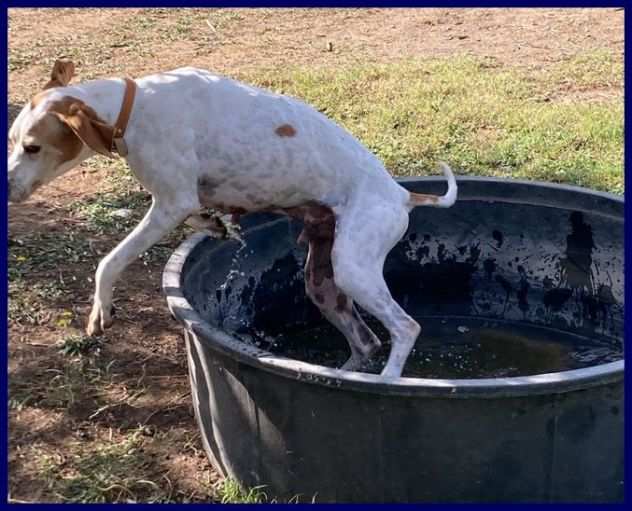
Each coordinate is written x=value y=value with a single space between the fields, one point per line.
x=198 y=140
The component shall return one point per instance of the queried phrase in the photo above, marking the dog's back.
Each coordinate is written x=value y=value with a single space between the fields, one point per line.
x=239 y=137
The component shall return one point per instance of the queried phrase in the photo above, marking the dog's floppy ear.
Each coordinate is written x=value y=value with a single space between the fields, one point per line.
x=62 y=73
x=85 y=124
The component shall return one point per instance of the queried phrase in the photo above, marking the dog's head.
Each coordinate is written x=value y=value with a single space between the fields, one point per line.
x=52 y=134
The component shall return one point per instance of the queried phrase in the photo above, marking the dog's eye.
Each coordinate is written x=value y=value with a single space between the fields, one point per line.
x=32 y=149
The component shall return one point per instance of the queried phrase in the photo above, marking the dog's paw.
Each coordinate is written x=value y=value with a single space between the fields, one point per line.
x=100 y=319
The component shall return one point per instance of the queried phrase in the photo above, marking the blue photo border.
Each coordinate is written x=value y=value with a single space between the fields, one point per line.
x=305 y=3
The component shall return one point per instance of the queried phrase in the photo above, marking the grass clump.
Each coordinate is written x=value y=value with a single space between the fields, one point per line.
x=230 y=492
x=80 y=345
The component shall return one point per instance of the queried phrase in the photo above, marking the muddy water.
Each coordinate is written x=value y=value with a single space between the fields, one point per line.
x=454 y=348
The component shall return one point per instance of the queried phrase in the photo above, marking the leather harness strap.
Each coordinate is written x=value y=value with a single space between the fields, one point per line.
x=118 y=142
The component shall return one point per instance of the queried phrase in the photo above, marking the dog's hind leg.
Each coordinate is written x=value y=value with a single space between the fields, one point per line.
x=334 y=305
x=360 y=249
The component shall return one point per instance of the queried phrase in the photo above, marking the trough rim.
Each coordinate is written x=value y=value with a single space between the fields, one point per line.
x=520 y=386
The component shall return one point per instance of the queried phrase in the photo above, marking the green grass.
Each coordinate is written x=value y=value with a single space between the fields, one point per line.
x=107 y=472
x=230 y=492
x=481 y=119
x=594 y=70
x=119 y=472
x=64 y=383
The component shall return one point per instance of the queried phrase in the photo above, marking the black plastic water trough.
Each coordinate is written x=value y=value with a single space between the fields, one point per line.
x=514 y=391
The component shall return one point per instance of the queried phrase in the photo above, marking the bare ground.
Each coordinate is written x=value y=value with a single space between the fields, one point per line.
x=146 y=382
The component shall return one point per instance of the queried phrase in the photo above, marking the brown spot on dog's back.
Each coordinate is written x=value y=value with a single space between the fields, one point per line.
x=285 y=130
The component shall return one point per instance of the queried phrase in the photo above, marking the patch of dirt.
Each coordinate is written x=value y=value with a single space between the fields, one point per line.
x=144 y=347
x=142 y=41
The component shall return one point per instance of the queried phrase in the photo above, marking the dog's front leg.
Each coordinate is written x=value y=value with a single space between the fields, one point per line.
x=158 y=222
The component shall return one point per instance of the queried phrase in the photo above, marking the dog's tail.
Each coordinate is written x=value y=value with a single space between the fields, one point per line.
x=442 y=201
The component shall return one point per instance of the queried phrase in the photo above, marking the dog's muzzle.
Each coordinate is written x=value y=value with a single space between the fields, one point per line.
x=16 y=193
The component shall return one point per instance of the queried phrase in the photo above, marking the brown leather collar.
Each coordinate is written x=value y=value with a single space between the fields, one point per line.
x=118 y=142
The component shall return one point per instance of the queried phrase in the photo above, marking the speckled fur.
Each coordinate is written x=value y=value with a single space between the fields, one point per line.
x=197 y=139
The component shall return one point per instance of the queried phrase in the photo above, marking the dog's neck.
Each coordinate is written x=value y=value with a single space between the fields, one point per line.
x=105 y=97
